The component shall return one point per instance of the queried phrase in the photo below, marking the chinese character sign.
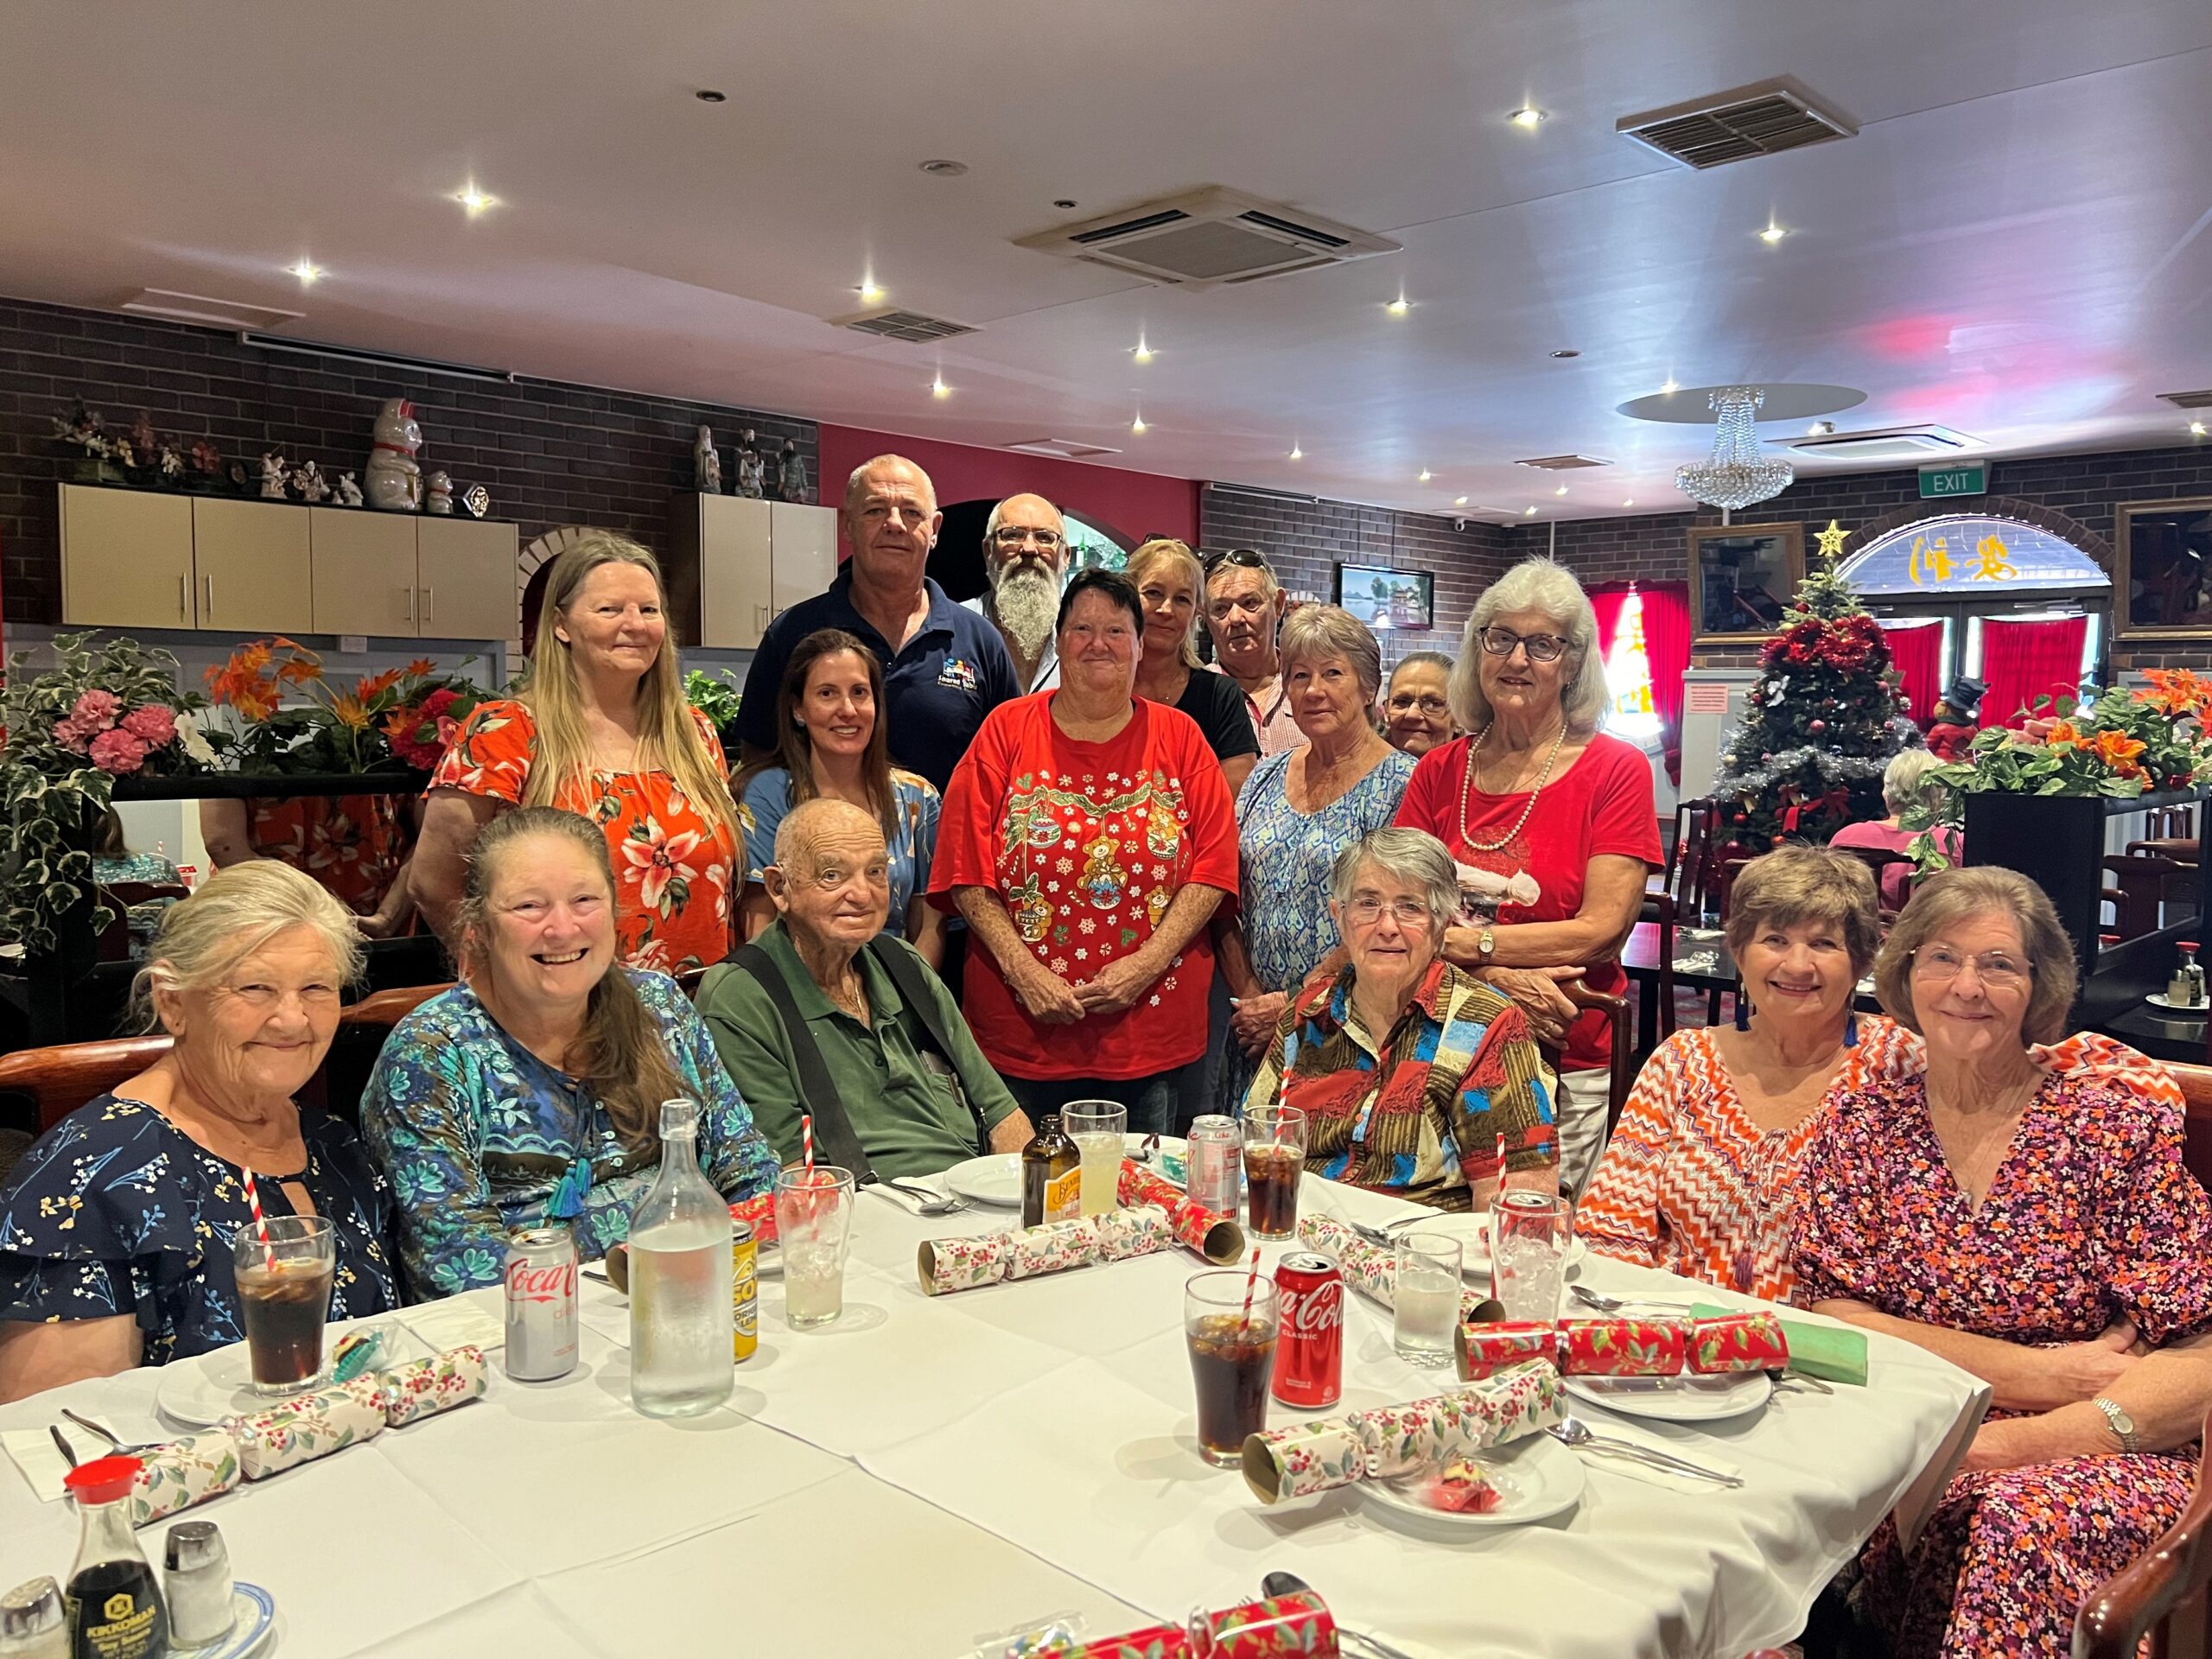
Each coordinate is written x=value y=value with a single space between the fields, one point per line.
x=1968 y=554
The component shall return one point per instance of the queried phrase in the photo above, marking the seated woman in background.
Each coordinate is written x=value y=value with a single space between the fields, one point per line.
x=531 y=1092
x=2038 y=1228
x=1412 y=1075
x=1902 y=790
x=831 y=746
x=116 y=1228
x=114 y=863
x=1701 y=1176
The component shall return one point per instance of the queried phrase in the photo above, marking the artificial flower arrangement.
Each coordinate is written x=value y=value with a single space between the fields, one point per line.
x=399 y=719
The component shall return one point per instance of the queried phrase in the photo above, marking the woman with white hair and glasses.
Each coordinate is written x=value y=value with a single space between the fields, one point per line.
x=1551 y=823
x=1904 y=787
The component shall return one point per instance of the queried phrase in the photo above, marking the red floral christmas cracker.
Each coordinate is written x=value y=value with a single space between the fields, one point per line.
x=949 y=1264
x=1369 y=1269
x=1298 y=1625
x=1621 y=1347
x=759 y=1214
x=1215 y=1236
x=1741 y=1342
x=1485 y=1350
x=1158 y=1642
x=428 y=1386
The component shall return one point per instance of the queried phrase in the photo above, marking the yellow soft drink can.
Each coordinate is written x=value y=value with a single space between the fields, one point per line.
x=744 y=1292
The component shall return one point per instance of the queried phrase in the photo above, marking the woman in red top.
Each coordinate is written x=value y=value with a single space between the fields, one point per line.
x=1087 y=838
x=601 y=727
x=1551 y=822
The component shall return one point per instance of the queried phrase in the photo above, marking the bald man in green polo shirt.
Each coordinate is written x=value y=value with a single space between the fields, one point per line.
x=917 y=1094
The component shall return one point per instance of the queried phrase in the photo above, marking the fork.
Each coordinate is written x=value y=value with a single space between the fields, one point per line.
x=1384 y=1235
x=1573 y=1432
x=124 y=1448
x=1605 y=1304
x=927 y=1203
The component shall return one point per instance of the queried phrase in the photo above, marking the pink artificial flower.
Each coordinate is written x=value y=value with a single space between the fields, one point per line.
x=118 y=752
x=155 y=723
x=448 y=729
x=70 y=734
x=96 y=710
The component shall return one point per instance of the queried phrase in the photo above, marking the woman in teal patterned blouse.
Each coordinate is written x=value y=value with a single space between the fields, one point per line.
x=531 y=1091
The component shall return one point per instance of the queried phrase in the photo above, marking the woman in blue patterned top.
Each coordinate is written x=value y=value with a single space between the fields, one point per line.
x=116 y=1228
x=1297 y=811
x=832 y=744
x=531 y=1092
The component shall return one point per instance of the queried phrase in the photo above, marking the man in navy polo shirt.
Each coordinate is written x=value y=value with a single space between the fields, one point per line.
x=943 y=667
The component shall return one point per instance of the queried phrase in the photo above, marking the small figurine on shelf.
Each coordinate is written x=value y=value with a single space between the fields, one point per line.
x=440 y=499
x=791 y=473
x=706 y=464
x=477 y=500
x=394 y=476
x=308 y=481
x=273 y=473
x=752 y=471
x=348 y=493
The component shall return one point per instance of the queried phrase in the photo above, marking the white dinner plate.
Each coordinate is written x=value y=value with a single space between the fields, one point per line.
x=1536 y=1478
x=1170 y=1159
x=255 y=1612
x=199 y=1393
x=1473 y=1234
x=994 y=1180
x=2160 y=1000
x=1676 y=1399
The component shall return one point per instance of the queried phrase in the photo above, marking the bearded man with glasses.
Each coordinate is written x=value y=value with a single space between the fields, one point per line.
x=1025 y=554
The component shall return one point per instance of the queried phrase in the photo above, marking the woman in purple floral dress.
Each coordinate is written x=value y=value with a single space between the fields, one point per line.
x=2038 y=1229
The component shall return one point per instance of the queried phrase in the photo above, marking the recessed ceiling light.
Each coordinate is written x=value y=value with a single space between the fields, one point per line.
x=1772 y=234
x=1560 y=491
x=1528 y=512
x=1426 y=474
x=1820 y=428
x=1459 y=501
x=1297 y=454
x=2197 y=429
x=708 y=95
x=1144 y=352
x=1569 y=351
x=869 y=293
x=1399 y=307
x=1527 y=118
x=1630 y=502
x=1064 y=201
x=938 y=388
x=944 y=169
x=474 y=200
x=307 y=270
x=1137 y=425
x=1669 y=390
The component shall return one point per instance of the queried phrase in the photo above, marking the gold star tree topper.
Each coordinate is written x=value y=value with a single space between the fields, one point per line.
x=1832 y=540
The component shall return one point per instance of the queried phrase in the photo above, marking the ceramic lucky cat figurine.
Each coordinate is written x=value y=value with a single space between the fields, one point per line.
x=393 y=478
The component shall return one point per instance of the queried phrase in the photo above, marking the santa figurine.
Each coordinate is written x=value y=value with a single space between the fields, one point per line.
x=1952 y=727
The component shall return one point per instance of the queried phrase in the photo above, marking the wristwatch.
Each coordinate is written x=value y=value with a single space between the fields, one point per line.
x=2122 y=1424
x=1485 y=942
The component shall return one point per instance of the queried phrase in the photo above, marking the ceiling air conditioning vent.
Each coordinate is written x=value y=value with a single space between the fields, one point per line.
x=1563 y=463
x=1060 y=448
x=2189 y=399
x=1208 y=237
x=910 y=326
x=1893 y=443
x=1734 y=126
x=199 y=307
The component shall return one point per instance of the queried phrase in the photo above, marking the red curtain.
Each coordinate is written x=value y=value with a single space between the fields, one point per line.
x=1917 y=650
x=2023 y=660
x=1607 y=602
x=1666 y=645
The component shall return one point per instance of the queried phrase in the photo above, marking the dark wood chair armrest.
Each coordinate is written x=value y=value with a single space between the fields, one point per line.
x=1621 y=1070
x=2166 y=1582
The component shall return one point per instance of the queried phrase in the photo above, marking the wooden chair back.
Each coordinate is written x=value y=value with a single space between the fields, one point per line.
x=2141 y=885
x=1688 y=880
x=2161 y=1593
x=1620 y=1070
x=2196 y=1122
x=387 y=1008
x=58 y=1080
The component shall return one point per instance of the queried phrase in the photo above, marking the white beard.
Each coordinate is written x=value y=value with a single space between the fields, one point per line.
x=1025 y=603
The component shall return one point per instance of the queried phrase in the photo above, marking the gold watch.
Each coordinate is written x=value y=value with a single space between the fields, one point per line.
x=2122 y=1424
x=1485 y=942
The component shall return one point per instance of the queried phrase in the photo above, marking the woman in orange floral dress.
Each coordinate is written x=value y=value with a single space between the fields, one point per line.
x=600 y=727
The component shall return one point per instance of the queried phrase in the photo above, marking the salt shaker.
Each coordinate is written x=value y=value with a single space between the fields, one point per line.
x=197 y=1579
x=34 y=1624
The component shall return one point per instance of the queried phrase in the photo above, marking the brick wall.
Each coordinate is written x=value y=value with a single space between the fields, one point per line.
x=549 y=453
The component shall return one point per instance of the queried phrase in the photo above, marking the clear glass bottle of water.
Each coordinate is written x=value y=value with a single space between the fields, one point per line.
x=680 y=1361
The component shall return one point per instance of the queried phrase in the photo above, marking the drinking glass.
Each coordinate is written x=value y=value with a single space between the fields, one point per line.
x=814 y=1227
x=1096 y=1126
x=1425 y=1298
x=1275 y=1157
x=1530 y=1235
x=283 y=1277
x=1232 y=1357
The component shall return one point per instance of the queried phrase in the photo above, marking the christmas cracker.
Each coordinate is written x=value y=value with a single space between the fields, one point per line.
x=1213 y=1235
x=949 y=1264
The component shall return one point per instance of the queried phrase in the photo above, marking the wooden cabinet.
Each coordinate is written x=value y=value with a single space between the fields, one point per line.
x=466 y=568
x=735 y=564
x=126 y=559
x=364 y=571
x=249 y=565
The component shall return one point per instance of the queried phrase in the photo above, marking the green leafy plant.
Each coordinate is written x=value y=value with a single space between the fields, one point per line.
x=713 y=696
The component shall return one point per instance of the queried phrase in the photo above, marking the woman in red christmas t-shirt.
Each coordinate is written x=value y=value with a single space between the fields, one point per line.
x=1552 y=824
x=1086 y=837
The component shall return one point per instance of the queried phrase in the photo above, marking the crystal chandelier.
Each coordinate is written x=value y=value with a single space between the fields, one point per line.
x=1736 y=473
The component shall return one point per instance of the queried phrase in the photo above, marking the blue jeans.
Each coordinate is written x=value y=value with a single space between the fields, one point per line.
x=1151 y=1101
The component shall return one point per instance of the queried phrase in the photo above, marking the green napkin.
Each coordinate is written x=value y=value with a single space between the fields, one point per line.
x=1833 y=1353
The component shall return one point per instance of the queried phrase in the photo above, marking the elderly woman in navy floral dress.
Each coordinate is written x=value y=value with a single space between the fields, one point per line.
x=2036 y=1227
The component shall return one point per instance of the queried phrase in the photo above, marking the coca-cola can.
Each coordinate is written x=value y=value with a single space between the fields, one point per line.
x=540 y=1304
x=1310 y=1339
x=1214 y=1163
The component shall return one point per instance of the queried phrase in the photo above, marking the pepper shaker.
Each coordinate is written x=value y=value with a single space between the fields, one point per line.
x=197 y=1579
x=34 y=1624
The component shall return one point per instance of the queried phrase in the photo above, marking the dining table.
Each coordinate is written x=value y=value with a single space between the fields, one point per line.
x=930 y=1471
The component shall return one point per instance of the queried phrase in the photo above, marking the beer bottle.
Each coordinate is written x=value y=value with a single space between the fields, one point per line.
x=1052 y=1175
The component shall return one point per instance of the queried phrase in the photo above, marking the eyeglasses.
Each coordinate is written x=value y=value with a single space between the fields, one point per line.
x=1048 y=541
x=1406 y=702
x=1367 y=910
x=1939 y=965
x=1243 y=557
x=1542 y=647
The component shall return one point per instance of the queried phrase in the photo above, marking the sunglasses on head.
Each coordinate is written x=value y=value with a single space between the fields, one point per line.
x=1243 y=557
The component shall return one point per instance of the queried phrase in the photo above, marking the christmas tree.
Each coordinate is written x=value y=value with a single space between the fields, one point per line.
x=1819 y=727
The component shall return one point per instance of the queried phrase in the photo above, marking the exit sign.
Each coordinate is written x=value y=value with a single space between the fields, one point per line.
x=1969 y=478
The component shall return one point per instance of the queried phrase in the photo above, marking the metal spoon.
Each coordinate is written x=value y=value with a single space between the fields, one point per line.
x=1605 y=1304
x=1289 y=1584
x=927 y=1203
x=124 y=1447
x=1575 y=1433
x=61 y=1445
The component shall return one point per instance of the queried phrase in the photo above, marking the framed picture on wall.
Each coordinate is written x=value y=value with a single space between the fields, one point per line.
x=2161 y=570
x=1388 y=598
x=1742 y=577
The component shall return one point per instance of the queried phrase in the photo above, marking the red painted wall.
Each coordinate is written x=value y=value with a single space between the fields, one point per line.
x=1135 y=503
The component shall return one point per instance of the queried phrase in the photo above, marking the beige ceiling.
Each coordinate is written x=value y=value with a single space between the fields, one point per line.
x=2015 y=245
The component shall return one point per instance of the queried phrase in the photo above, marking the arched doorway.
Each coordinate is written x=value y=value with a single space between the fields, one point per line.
x=956 y=562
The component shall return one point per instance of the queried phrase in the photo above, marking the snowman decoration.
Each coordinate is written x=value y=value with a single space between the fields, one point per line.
x=394 y=478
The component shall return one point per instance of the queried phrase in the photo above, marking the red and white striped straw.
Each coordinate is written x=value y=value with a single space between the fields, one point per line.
x=260 y=1222
x=806 y=1141
x=1251 y=1284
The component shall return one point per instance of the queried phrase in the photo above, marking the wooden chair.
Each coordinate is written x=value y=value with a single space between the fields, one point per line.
x=2196 y=1123
x=2141 y=887
x=1878 y=860
x=387 y=1008
x=1679 y=899
x=2161 y=1593
x=1620 y=1072
x=58 y=1080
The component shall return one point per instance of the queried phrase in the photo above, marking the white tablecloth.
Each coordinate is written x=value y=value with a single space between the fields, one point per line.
x=931 y=1469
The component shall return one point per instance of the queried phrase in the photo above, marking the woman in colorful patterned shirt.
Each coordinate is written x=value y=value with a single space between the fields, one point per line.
x=531 y=1092
x=1413 y=1077
x=2038 y=1229
x=1701 y=1176
x=832 y=746
x=116 y=1228
x=600 y=727
x=1087 y=838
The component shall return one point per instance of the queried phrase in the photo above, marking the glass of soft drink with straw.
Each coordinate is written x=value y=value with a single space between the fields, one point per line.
x=1274 y=1158
x=283 y=1265
x=814 y=1224
x=1096 y=1127
x=1230 y=1321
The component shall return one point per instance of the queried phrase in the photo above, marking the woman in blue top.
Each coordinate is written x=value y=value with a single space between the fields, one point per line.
x=116 y=1228
x=531 y=1092
x=832 y=744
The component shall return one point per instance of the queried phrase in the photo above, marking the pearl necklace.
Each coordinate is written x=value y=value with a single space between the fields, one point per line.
x=1467 y=784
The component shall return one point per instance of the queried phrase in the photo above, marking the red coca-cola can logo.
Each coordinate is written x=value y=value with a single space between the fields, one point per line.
x=1310 y=1345
x=526 y=1283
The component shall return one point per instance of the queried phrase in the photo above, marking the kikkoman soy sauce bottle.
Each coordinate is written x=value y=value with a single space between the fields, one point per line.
x=116 y=1610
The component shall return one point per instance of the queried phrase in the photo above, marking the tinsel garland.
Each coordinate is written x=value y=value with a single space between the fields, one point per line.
x=1833 y=768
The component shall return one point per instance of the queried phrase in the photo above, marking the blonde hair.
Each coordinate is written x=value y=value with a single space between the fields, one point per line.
x=1902 y=784
x=1164 y=549
x=1794 y=884
x=1548 y=587
x=234 y=913
x=1952 y=896
x=668 y=738
x=1313 y=631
